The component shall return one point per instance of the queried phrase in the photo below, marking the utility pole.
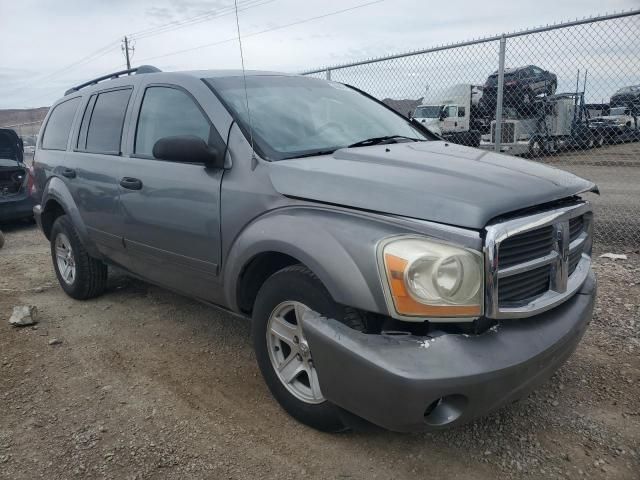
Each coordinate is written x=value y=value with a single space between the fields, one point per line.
x=126 y=48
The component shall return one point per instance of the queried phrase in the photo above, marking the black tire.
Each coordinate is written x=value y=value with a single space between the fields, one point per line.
x=299 y=284
x=536 y=149
x=90 y=278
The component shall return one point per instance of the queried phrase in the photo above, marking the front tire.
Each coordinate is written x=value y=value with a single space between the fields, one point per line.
x=80 y=275
x=282 y=351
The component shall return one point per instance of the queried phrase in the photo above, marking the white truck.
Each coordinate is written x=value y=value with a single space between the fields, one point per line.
x=557 y=122
x=620 y=125
x=453 y=113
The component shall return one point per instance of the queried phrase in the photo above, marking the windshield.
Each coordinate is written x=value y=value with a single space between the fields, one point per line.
x=300 y=116
x=428 y=111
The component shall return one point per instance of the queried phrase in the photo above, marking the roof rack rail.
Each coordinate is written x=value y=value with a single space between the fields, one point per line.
x=110 y=76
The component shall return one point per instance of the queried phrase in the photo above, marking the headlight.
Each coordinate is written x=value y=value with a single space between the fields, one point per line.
x=427 y=278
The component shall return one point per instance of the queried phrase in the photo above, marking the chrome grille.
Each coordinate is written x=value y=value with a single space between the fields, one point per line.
x=524 y=286
x=526 y=246
x=534 y=263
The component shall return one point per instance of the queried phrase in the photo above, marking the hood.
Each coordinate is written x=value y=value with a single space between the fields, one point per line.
x=435 y=181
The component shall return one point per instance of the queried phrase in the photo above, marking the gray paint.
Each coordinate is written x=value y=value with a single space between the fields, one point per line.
x=194 y=230
x=435 y=181
x=390 y=380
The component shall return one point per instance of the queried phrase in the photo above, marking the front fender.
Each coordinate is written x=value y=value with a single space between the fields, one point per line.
x=56 y=191
x=338 y=247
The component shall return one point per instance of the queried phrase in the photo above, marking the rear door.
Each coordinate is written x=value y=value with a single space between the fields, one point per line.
x=93 y=167
x=171 y=209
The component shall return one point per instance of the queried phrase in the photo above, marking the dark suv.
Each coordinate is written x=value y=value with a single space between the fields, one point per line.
x=388 y=275
x=627 y=97
x=521 y=85
x=16 y=181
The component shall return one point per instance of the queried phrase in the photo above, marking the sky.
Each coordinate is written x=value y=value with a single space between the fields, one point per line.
x=50 y=45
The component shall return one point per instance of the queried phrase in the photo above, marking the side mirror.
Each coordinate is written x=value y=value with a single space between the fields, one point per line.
x=188 y=149
x=443 y=115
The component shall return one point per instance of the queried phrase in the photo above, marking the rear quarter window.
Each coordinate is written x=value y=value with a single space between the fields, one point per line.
x=58 y=129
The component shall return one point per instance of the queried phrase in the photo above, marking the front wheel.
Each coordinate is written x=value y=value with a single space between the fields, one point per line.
x=80 y=276
x=282 y=351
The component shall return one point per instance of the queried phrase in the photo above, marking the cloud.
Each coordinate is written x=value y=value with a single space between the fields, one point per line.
x=53 y=34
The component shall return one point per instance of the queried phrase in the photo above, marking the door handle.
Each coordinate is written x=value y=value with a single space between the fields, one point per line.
x=131 y=183
x=69 y=173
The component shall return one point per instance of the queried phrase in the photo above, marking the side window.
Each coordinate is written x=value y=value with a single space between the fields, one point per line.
x=452 y=112
x=56 y=133
x=104 y=132
x=461 y=112
x=167 y=112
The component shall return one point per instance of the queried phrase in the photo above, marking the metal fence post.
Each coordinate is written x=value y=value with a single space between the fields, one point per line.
x=328 y=74
x=500 y=94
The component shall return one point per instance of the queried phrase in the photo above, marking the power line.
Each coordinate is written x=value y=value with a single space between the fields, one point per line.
x=280 y=27
x=177 y=24
x=89 y=58
x=50 y=89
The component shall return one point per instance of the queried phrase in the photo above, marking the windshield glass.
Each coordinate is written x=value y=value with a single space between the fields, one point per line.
x=428 y=111
x=296 y=116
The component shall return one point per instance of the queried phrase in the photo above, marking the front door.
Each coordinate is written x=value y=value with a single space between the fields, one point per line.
x=171 y=210
x=450 y=122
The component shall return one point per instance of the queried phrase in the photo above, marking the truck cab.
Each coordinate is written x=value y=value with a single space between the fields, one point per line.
x=452 y=114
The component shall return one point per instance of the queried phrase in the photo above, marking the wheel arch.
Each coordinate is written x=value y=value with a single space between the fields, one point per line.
x=280 y=239
x=56 y=201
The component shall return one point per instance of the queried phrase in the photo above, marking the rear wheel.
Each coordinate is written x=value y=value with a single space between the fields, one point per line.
x=282 y=351
x=80 y=275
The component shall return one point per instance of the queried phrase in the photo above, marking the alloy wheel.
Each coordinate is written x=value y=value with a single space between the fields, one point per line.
x=290 y=354
x=65 y=259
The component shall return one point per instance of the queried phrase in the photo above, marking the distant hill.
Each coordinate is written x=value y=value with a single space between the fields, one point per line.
x=403 y=107
x=27 y=120
x=27 y=115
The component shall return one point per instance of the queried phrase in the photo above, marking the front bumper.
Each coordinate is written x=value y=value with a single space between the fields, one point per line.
x=408 y=383
x=13 y=208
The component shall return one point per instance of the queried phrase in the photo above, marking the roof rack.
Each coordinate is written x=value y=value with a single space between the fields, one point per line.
x=110 y=76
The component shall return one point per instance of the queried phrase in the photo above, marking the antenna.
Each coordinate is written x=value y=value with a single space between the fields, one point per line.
x=244 y=79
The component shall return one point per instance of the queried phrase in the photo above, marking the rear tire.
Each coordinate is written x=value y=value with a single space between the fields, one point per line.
x=80 y=275
x=280 y=298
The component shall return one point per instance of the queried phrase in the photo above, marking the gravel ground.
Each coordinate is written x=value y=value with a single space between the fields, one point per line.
x=148 y=384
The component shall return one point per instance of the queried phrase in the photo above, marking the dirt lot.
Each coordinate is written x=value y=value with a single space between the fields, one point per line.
x=148 y=384
x=616 y=171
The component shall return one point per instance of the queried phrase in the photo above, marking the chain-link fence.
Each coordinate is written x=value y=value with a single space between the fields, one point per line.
x=567 y=95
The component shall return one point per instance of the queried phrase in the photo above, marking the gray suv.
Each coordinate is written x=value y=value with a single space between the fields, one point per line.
x=390 y=277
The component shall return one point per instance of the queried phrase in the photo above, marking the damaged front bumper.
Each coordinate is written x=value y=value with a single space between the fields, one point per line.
x=409 y=383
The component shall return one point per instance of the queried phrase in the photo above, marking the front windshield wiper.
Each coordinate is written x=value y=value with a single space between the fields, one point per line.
x=381 y=140
x=311 y=154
